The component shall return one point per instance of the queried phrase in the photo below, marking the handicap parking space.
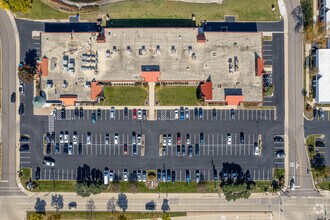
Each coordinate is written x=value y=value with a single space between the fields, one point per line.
x=267 y=52
x=25 y=158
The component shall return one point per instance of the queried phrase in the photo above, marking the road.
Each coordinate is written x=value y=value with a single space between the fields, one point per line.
x=297 y=160
x=9 y=110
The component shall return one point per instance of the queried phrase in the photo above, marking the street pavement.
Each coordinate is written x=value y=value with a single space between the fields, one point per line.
x=9 y=110
x=297 y=161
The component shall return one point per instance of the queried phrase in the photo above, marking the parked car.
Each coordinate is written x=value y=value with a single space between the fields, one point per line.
x=178 y=150
x=256 y=149
x=173 y=176
x=66 y=137
x=181 y=115
x=111 y=176
x=183 y=150
x=99 y=114
x=37 y=173
x=215 y=175
x=196 y=112
x=190 y=151
x=197 y=176
x=159 y=175
x=47 y=138
x=116 y=139
x=176 y=114
x=76 y=112
x=178 y=138
x=169 y=140
x=144 y=176
x=280 y=154
x=164 y=140
x=57 y=148
x=134 y=114
x=214 y=113
x=81 y=112
x=48 y=149
x=200 y=111
x=315 y=113
x=70 y=149
x=196 y=150
x=93 y=118
x=139 y=177
x=232 y=114
x=144 y=114
x=139 y=114
x=63 y=115
x=168 y=174
x=80 y=148
x=75 y=138
x=319 y=144
x=125 y=175
x=133 y=137
x=21 y=88
x=278 y=139
x=134 y=149
x=125 y=149
x=187 y=139
x=21 y=109
x=65 y=148
x=292 y=184
x=88 y=138
x=106 y=176
x=106 y=138
x=321 y=113
x=48 y=162
x=229 y=139
x=164 y=175
x=186 y=110
x=139 y=139
x=52 y=138
x=242 y=137
x=24 y=147
x=201 y=138
x=112 y=113
x=187 y=176
x=13 y=97
x=126 y=112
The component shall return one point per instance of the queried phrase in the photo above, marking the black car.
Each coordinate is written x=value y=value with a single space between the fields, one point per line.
x=13 y=97
x=48 y=149
x=72 y=205
x=81 y=112
x=164 y=175
x=215 y=175
x=21 y=109
x=173 y=176
x=76 y=112
x=183 y=150
x=178 y=151
x=278 y=139
x=63 y=113
x=201 y=138
x=315 y=113
x=168 y=175
x=197 y=150
x=24 y=138
x=24 y=147
x=126 y=112
x=52 y=138
x=65 y=148
x=214 y=113
x=80 y=148
x=144 y=114
x=242 y=137
x=190 y=151
x=57 y=148
x=196 y=112
x=319 y=144
x=232 y=114
x=134 y=149
x=187 y=176
x=38 y=173
x=151 y=205
x=99 y=113
x=200 y=113
x=159 y=175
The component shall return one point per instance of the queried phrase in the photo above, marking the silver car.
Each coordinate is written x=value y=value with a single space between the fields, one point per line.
x=70 y=149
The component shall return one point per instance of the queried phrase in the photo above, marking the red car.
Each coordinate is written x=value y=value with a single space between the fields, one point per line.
x=134 y=114
x=125 y=149
x=178 y=139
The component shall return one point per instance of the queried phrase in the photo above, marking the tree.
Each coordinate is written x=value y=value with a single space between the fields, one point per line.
x=307 y=11
x=95 y=188
x=57 y=202
x=166 y=217
x=26 y=73
x=36 y=216
x=234 y=191
x=111 y=205
x=90 y=206
x=122 y=202
x=19 y=5
x=82 y=189
x=315 y=33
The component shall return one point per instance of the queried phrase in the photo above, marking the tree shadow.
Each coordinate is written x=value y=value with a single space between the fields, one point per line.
x=57 y=202
x=298 y=17
x=83 y=173
x=122 y=201
x=40 y=206
x=31 y=57
x=150 y=23
x=165 y=206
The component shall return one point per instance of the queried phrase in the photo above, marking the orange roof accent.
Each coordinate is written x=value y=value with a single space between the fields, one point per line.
x=100 y=38
x=201 y=38
x=151 y=76
x=234 y=99
x=44 y=67
x=260 y=66
x=68 y=99
x=96 y=90
x=206 y=90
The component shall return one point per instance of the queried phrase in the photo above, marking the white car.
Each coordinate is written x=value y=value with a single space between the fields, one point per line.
x=125 y=178
x=229 y=139
x=139 y=113
x=169 y=140
x=186 y=112
x=176 y=114
x=61 y=137
x=164 y=140
x=116 y=139
x=21 y=87
x=107 y=139
x=88 y=138
x=70 y=149
x=144 y=176
x=66 y=137
x=111 y=176
x=112 y=113
x=187 y=139
x=139 y=139
x=256 y=149
x=139 y=179
x=49 y=163
x=74 y=138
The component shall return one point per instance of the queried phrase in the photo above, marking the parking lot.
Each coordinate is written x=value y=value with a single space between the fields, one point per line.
x=267 y=52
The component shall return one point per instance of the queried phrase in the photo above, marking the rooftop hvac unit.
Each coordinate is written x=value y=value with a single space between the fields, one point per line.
x=173 y=50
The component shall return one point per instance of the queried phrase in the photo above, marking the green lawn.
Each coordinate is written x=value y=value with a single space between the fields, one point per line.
x=106 y=215
x=248 y=10
x=177 y=95
x=311 y=139
x=262 y=186
x=325 y=185
x=125 y=95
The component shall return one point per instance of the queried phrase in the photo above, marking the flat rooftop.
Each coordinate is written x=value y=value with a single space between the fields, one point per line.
x=174 y=50
x=323 y=79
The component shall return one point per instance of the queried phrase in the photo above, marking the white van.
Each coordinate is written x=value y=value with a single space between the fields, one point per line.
x=106 y=176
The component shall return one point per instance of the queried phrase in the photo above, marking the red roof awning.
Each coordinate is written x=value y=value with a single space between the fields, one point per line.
x=206 y=90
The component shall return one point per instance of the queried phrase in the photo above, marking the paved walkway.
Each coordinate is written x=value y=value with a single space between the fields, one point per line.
x=151 y=101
